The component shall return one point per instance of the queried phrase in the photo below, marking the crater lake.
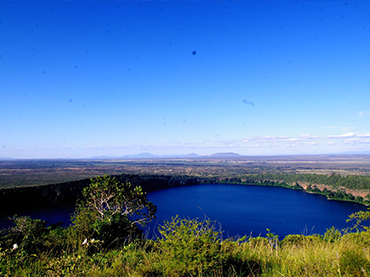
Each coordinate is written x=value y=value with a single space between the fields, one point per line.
x=249 y=210
x=238 y=209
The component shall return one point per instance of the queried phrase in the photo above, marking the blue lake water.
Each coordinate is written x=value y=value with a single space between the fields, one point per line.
x=51 y=214
x=239 y=210
x=245 y=210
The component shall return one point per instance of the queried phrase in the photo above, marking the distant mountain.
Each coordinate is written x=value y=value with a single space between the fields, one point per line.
x=140 y=156
x=225 y=155
x=146 y=155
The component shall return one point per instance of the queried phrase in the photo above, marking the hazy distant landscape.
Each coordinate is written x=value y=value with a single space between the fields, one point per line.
x=41 y=172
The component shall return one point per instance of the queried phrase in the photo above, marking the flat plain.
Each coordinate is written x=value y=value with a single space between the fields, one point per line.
x=22 y=173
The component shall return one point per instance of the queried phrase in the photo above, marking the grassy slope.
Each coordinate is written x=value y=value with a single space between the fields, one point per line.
x=297 y=255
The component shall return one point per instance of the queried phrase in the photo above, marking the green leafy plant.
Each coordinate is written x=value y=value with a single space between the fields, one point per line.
x=111 y=211
x=359 y=218
x=332 y=235
x=189 y=246
x=272 y=239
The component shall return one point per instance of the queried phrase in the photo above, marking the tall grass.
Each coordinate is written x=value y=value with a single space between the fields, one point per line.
x=195 y=248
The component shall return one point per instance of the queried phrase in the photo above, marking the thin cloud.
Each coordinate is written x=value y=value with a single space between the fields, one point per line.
x=363 y=113
x=352 y=141
x=265 y=139
x=269 y=138
x=248 y=102
x=308 y=136
x=347 y=135
x=292 y=140
x=357 y=141
x=350 y=135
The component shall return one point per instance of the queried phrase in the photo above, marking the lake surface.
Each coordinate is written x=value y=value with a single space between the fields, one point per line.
x=245 y=210
x=239 y=210
x=51 y=214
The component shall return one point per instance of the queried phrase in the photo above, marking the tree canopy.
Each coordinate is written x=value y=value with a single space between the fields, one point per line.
x=112 y=210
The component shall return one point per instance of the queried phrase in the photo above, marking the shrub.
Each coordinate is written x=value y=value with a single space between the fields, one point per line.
x=33 y=237
x=189 y=247
x=332 y=235
x=299 y=240
x=238 y=260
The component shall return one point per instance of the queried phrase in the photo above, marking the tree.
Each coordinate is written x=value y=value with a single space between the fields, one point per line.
x=112 y=211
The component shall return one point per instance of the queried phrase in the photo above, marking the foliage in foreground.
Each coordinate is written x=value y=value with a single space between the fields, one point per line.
x=186 y=247
x=104 y=240
x=111 y=212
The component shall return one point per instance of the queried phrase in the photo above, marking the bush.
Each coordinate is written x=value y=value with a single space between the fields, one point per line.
x=33 y=237
x=238 y=260
x=332 y=235
x=189 y=247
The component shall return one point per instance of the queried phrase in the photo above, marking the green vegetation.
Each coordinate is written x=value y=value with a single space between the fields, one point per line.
x=342 y=177
x=70 y=191
x=336 y=181
x=340 y=194
x=22 y=173
x=104 y=240
x=111 y=212
x=337 y=184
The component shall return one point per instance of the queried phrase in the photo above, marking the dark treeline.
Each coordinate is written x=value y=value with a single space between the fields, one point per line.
x=69 y=192
x=336 y=181
x=44 y=194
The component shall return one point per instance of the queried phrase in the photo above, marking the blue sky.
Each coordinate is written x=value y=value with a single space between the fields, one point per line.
x=89 y=78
